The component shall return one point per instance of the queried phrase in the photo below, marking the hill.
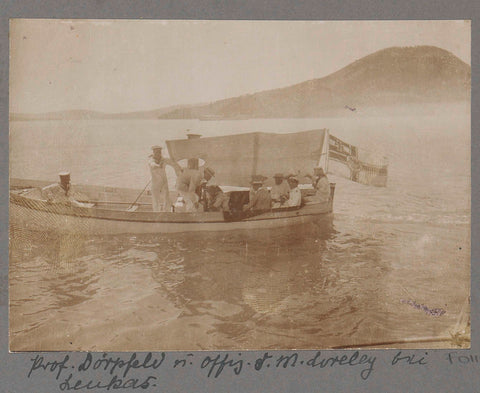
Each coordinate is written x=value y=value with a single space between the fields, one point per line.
x=389 y=77
x=394 y=78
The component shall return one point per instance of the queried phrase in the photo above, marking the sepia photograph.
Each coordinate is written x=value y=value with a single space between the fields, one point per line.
x=184 y=185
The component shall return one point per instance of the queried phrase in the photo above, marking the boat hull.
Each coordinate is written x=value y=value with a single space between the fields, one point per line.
x=30 y=212
x=36 y=220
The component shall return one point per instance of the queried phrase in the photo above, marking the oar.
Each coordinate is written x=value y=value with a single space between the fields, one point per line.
x=139 y=195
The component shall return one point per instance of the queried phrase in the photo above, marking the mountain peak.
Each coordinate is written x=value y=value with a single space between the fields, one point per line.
x=392 y=76
x=411 y=52
x=396 y=76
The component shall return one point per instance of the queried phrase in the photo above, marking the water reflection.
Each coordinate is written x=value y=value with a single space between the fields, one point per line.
x=269 y=282
x=313 y=286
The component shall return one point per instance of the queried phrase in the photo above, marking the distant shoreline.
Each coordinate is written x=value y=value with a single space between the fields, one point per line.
x=416 y=109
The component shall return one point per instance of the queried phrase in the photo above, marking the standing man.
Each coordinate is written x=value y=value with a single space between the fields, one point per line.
x=191 y=184
x=157 y=163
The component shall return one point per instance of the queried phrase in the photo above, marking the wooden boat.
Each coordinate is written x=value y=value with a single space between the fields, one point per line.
x=235 y=159
x=111 y=213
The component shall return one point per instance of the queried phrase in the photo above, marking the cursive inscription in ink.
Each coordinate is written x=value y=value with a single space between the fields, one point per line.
x=115 y=371
x=144 y=371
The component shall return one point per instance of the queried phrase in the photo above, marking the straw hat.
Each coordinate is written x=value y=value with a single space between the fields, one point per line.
x=209 y=171
x=258 y=179
x=293 y=179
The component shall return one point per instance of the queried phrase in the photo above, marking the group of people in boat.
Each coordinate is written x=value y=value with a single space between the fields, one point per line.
x=197 y=189
x=284 y=193
x=191 y=183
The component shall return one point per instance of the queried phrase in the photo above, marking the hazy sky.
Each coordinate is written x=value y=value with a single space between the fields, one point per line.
x=127 y=65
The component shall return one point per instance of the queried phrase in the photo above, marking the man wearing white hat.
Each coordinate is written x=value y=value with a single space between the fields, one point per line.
x=157 y=163
x=295 y=198
x=61 y=192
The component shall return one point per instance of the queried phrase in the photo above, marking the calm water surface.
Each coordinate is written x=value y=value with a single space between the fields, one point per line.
x=340 y=283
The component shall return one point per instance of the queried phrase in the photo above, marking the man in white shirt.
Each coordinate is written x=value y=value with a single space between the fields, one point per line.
x=295 y=198
x=280 y=191
x=321 y=185
x=191 y=184
x=157 y=163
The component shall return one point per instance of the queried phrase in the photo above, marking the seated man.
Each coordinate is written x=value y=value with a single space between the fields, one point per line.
x=207 y=180
x=209 y=176
x=321 y=184
x=295 y=198
x=217 y=200
x=259 y=197
x=61 y=193
x=280 y=191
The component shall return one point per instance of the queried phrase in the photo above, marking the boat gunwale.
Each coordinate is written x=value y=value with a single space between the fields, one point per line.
x=155 y=217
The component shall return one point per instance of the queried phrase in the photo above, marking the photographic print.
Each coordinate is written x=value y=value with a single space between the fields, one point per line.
x=239 y=185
